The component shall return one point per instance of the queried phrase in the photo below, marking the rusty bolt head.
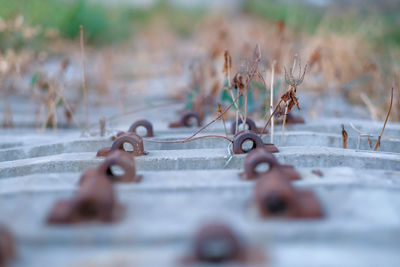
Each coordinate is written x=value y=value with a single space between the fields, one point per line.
x=242 y=137
x=94 y=201
x=217 y=243
x=275 y=197
x=125 y=162
x=261 y=156
x=254 y=159
x=142 y=123
x=134 y=140
x=7 y=246
x=185 y=120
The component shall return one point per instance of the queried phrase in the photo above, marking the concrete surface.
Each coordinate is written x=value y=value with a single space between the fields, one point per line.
x=186 y=185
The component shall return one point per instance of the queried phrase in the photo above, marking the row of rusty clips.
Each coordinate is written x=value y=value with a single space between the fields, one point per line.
x=95 y=198
x=274 y=195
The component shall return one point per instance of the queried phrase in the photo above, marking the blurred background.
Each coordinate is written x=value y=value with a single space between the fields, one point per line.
x=152 y=46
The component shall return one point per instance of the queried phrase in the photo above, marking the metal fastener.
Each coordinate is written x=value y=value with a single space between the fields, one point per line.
x=134 y=140
x=275 y=197
x=142 y=123
x=7 y=246
x=126 y=164
x=260 y=156
x=241 y=138
x=94 y=201
x=185 y=120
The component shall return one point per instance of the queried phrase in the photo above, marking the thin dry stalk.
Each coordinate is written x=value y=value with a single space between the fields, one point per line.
x=217 y=118
x=271 y=105
x=223 y=118
x=228 y=72
x=237 y=113
x=84 y=91
x=252 y=72
x=7 y=114
x=369 y=142
x=50 y=107
x=378 y=142
x=102 y=124
x=270 y=116
x=246 y=96
x=289 y=98
x=344 y=137
x=374 y=112
x=58 y=97
x=284 y=125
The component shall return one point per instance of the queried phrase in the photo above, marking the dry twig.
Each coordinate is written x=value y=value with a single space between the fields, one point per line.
x=223 y=118
x=378 y=142
x=271 y=105
x=84 y=91
x=344 y=137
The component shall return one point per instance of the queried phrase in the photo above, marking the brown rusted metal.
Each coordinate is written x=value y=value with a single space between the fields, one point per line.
x=119 y=134
x=185 y=120
x=318 y=173
x=103 y=152
x=134 y=140
x=142 y=123
x=260 y=156
x=292 y=119
x=242 y=137
x=7 y=247
x=217 y=243
x=271 y=148
x=125 y=162
x=275 y=197
x=94 y=201
x=251 y=126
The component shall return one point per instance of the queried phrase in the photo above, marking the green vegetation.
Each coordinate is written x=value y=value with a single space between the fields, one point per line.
x=103 y=23
x=379 y=23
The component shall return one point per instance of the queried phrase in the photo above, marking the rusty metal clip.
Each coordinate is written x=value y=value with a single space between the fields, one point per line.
x=251 y=125
x=185 y=120
x=125 y=162
x=134 y=140
x=94 y=201
x=142 y=123
x=261 y=156
x=7 y=246
x=217 y=243
x=275 y=197
x=241 y=138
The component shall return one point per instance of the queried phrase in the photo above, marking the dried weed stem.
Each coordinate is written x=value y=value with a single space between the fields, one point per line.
x=378 y=142
x=84 y=90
